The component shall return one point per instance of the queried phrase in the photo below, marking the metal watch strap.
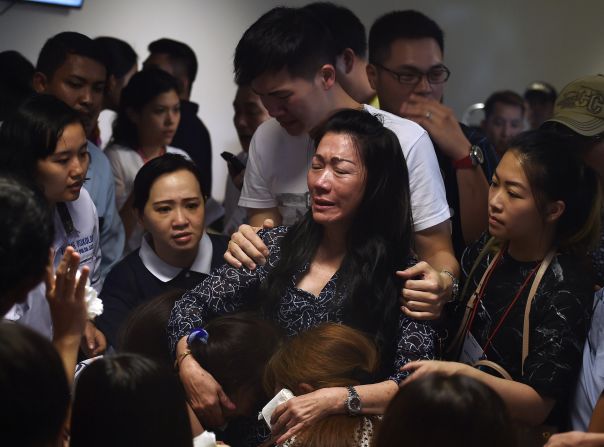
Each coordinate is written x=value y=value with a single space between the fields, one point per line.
x=454 y=285
x=353 y=402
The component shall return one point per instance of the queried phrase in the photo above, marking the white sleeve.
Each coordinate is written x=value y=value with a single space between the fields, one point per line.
x=256 y=192
x=428 y=197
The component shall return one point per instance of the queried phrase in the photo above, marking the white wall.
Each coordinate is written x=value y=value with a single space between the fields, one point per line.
x=488 y=45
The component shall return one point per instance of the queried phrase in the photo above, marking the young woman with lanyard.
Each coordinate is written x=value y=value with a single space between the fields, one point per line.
x=529 y=296
x=147 y=119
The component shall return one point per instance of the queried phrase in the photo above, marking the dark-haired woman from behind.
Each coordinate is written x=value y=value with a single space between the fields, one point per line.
x=233 y=348
x=126 y=400
x=34 y=389
x=438 y=411
x=175 y=253
x=336 y=265
x=529 y=296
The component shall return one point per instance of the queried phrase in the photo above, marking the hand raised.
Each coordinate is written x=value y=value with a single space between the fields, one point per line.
x=65 y=293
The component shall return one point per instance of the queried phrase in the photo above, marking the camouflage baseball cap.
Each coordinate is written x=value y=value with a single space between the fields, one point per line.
x=580 y=106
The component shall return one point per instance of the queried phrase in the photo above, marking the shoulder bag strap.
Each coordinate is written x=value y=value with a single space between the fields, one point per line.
x=461 y=333
x=494 y=366
x=527 y=310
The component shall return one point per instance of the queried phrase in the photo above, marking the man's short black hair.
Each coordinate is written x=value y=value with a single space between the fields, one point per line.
x=26 y=234
x=503 y=97
x=179 y=53
x=15 y=81
x=290 y=38
x=408 y=24
x=345 y=27
x=540 y=92
x=119 y=55
x=55 y=51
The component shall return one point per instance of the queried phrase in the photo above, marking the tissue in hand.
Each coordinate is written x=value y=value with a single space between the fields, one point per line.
x=94 y=306
x=282 y=396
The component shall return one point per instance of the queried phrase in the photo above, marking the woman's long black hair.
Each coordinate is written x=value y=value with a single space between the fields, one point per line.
x=377 y=244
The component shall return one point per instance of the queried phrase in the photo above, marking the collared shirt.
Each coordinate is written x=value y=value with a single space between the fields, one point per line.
x=166 y=272
x=142 y=276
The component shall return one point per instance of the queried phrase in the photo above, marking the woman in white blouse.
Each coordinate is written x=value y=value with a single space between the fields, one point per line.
x=147 y=120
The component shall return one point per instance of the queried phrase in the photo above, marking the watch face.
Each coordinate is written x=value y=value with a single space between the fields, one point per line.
x=354 y=403
x=476 y=154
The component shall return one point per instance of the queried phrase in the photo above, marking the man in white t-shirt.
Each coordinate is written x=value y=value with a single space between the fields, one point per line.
x=288 y=58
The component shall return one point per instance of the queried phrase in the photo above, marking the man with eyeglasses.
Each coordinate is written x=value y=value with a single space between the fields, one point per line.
x=407 y=71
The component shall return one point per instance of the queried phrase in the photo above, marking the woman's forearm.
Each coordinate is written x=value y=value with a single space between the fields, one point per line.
x=303 y=410
x=376 y=397
x=221 y=293
x=522 y=401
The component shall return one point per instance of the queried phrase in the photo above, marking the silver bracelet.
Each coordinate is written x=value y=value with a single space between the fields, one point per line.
x=454 y=285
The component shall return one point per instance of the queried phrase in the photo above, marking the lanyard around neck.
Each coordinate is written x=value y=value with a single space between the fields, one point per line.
x=481 y=289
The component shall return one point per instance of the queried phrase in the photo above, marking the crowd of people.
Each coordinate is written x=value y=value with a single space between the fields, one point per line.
x=378 y=274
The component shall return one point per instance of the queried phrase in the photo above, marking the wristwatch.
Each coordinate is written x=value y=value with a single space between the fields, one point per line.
x=353 y=402
x=454 y=285
x=474 y=158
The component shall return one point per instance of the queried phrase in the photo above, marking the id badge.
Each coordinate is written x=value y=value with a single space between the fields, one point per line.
x=471 y=351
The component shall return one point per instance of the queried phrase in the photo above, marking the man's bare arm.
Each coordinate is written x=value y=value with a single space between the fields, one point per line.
x=427 y=287
x=472 y=185
x=257 y=216
x=245 y=247
x=473 y=190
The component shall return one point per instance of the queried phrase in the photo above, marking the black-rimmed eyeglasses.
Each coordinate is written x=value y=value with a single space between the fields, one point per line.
x=412 y=76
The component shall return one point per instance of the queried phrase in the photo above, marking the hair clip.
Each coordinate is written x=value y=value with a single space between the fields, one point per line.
x=198 y=334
